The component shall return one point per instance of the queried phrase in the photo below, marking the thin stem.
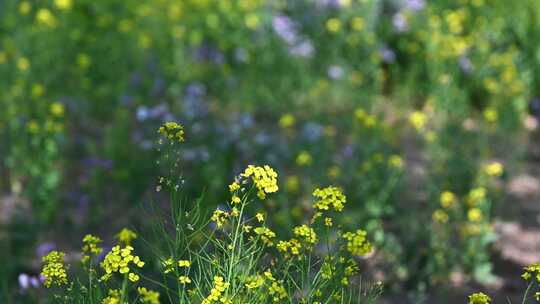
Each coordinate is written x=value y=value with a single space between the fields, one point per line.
x=526 y=292
x=124 y=289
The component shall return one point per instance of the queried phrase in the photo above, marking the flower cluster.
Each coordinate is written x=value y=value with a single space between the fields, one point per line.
x=125 y=236
x=264 y=178
x=148 y=296
x=90 y=247
x=266 y=235
x=329 y=197
x=307 y=234
x=532 y=271
x=276 y=289
x=54 y=271
x=357 y=243
x=173 y=131
x=119 y=260
x=219 y=217
x=216 y=294
x=479 y=298
x=113 y=297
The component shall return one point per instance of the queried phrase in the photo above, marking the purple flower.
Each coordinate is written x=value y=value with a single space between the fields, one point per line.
x=335 y=72
x=44 y=248
x=415 y=5
x=388 y=55
x=303 y=49
x=285 y=28
x=400 y=22
x=465 y=65
x=312 y=131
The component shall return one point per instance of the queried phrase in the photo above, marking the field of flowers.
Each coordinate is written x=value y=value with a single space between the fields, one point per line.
x=267 y=151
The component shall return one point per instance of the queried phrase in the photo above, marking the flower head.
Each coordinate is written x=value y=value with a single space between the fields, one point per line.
x=125 y=236
x=264 y=178
x=173 y=131
x=479 y=298
x=329 y=197
x=119 y=260
x=54 y=270
x=357 y=243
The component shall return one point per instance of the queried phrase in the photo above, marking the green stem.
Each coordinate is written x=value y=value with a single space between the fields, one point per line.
x=124 y=289
x=526 y=292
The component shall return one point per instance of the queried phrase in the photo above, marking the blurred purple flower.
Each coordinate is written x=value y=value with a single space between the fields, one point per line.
x=335 y=72
x=303 y=49
x=241 y=55
x=388 y=55
x=312 y=131
x=209 y=53
x=415 y=5
x=400 y=22
x=465 y=65
x=285 y=28
x=44 y=248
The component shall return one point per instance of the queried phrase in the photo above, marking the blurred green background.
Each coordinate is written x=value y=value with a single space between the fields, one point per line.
x=421 y=110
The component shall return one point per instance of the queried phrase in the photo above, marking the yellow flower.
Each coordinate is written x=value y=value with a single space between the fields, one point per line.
x=63 y=4
x=490 y=115
x=148 y=296
x=254 y=282
x=215 y=295
x=292 y=184
x=184 y=263
x=57 y=109
x=112 y=298
x=266 y=235
x=447 y=199
x=476 y=195
x=119 y=260
x=418 y=119
x=479 y=298
x=219 y=217
x=264 y=178
x=125 y=236
x=328 y=221
x=54 y=270
x=474 y=215
x=333 y=25
x=45 y=17
x=494 y=169
x=25 y=7
x=395 y=161
x=440 y=216
x=23 y=64
x=287 y=121
x=252 y=21
x=304 y=159
x=329 y=197
x=184 y=280
x=357 y=24
x=172 y=130
x=90 y=246
x=233 y=187
x=305 y=233
x=357 y=243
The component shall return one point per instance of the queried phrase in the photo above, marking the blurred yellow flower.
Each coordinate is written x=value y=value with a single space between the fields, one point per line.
x=304 y=159
x=292 y=183
x=252 y=21
x=333 y=25
x=57 y=109
x=474 y=215
x=418 y=119
x=357 y=23
x=63 y=4
x=23 y=64
x=287 y=121
x=45 y=17
x=490 y=115
x=395 y=161
x=494 y=169
x=25 y=7
x=440 y=216
x=447 y=199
